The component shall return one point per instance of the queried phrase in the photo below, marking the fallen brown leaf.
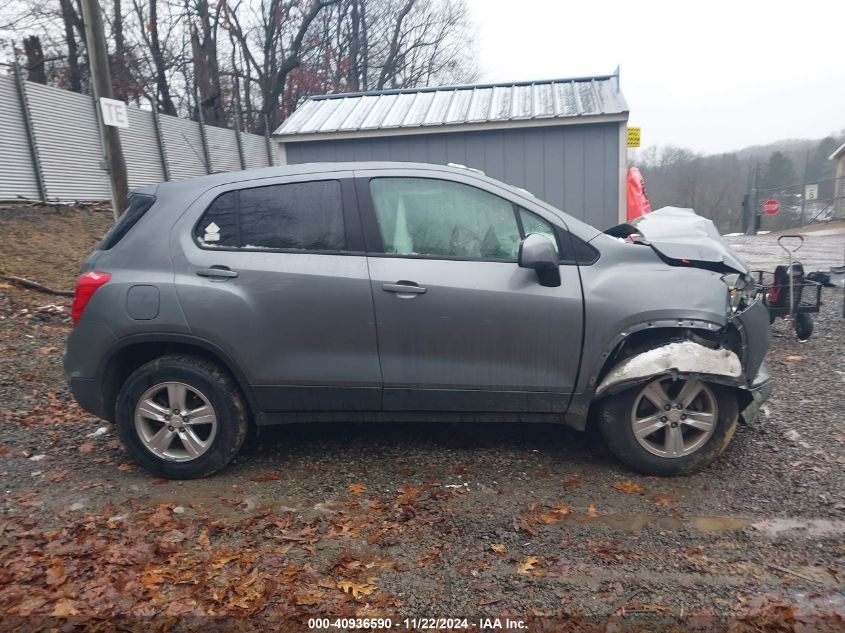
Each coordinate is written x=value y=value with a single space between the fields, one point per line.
x=266 y=477
x=628 y=487
x=56 y=575
x=408 y=494
x=527 y=566
x=573 y=482
x=357 y=489
x=591 y=511
x=356 y=589
x=499 y=548
x=64 y=608
x=87 y=447
x=664 y=499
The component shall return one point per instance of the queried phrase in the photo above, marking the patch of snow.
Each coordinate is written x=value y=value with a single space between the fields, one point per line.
x=37 y=458
x=100 y=431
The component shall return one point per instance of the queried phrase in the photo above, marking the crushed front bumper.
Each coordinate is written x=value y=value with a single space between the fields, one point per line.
x=760 y=389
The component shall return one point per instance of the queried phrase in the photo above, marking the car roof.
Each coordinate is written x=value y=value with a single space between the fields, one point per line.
x=229 y=177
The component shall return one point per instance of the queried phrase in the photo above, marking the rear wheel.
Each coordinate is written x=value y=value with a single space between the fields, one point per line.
x=669 y=426
x=181 y=417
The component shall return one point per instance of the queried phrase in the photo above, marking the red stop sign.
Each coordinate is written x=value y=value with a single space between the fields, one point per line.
x=771 y=206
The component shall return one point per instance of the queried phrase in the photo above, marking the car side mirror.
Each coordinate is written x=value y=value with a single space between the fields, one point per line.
x=538 y=252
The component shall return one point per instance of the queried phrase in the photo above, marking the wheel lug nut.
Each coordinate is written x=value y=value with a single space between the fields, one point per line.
x=667 y=407
x=167 y=417
x=663 y=419
x=169 y=428
x=683 y=417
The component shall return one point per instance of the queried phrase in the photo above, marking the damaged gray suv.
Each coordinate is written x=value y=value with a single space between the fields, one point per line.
x=400 y=291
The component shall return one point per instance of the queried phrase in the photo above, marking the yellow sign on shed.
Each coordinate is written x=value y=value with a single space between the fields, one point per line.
x=633 y=137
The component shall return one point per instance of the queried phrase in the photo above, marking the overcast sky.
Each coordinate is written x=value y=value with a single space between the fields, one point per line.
x=712 y=76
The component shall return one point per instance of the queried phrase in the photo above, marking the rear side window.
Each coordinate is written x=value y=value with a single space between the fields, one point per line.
x=139 y=204
x=219 y=225
x=298 y=216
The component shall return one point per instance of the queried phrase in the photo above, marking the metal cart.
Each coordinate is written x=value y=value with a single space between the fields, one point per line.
x=786 y=293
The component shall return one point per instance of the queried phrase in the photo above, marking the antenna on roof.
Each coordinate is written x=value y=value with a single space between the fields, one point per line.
x=618 y=74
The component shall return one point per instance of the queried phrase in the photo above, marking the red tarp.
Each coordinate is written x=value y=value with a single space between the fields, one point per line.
x=638 y=203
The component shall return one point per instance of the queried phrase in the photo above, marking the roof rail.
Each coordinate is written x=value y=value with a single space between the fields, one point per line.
x=459 y=166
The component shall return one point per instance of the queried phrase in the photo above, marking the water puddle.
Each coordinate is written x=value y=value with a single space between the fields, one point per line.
x=634 y=523
x=772 y=528
x=806 y=528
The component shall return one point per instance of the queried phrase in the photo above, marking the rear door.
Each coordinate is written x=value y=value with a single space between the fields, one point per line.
x=274 y=272
x=460 y=326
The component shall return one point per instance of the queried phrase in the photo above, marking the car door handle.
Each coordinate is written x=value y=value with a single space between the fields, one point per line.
x=404 y=287
x=222 y=272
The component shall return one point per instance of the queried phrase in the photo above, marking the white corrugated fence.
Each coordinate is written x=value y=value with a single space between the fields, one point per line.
x=68 y=153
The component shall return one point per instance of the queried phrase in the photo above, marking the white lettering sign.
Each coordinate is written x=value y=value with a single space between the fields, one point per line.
x=114 y=112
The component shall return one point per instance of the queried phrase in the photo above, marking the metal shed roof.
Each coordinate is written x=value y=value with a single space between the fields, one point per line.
x=411 y=111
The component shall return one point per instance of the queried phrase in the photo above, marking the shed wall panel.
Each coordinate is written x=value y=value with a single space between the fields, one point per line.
x=573 y=167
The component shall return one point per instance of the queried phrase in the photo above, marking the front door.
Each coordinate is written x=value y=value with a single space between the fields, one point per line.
x=460 y=326
x=272 y=275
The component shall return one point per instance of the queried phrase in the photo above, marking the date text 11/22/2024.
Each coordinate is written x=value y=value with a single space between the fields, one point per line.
x=415 y=624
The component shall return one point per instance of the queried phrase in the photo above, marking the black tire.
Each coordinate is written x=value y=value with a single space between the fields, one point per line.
x=803 y=324
x=616 y=428
x=221 y=392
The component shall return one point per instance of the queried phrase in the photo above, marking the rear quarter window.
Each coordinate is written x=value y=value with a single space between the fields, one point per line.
x=305 y=216
x=139 y=204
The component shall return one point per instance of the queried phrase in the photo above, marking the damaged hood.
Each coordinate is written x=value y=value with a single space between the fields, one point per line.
x=679 y=234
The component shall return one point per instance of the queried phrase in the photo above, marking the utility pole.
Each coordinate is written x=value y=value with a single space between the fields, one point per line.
x=98 y=61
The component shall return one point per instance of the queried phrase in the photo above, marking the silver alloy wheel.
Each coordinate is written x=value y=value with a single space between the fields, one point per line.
x=175 y=421
x=673 y=418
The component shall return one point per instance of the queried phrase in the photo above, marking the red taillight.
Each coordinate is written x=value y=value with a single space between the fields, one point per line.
x=86 y=286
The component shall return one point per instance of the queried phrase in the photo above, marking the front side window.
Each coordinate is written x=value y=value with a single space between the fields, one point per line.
x=298 y=216
x=439 y=218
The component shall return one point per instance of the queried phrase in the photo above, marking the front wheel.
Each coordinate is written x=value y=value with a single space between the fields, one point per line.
x=181 y=417
x=669 y=427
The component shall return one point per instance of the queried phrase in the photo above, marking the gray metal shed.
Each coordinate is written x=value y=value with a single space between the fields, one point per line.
x=563 y=140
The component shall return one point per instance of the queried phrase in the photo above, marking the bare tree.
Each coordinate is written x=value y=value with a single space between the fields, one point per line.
x=273 y=53
x=35 y=59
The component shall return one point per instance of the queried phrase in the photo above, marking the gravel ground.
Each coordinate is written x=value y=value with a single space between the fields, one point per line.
x=433 y=521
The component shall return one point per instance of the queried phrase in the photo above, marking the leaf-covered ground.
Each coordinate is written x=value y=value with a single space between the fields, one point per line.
x=407 y=520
